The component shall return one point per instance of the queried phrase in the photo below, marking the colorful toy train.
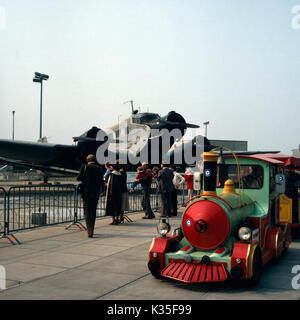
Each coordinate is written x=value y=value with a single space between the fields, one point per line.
x=240 y=222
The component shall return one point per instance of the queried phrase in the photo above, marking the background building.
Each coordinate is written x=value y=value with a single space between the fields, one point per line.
x=296 y=152
x=233 y=145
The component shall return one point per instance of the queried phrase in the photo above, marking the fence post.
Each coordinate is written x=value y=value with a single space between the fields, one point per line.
x=157 y=200
x=6 y=233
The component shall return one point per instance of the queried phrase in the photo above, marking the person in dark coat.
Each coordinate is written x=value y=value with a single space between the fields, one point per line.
x=145 y=182
x=113 y=194
x=91 y=175
x=166 y=188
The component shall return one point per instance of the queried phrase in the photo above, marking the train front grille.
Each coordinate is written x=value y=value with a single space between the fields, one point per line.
x=195 y=273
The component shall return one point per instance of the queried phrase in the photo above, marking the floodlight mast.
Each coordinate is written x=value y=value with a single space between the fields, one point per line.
x=39 y=77
x=13 y=126
x=206 y=124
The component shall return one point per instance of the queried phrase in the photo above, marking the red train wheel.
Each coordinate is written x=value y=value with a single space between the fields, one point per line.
x=256 y=267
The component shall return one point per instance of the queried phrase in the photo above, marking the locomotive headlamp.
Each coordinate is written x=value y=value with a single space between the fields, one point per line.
x=163 y=227
x=245 y=233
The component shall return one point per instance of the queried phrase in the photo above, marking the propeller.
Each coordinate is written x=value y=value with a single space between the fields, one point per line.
x=190 y=125
x=179 y=124
x=87 y=139
x=76 y=139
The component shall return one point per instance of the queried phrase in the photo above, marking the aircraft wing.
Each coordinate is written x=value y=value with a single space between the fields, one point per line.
x=32 y=152
x=47 y=169
x=40 y=156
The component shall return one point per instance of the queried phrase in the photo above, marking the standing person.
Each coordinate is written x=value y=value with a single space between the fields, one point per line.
x=124 y=192
x=145 y=182
x=155 y=171
x=113 y=194
x=166 y=187
x=197 y=182
x=178 y=180
x=188 y=176
x=106 y=176
x=107 y=173
x=91 y=176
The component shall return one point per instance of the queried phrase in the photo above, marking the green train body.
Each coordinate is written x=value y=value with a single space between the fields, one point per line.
x=226 y=233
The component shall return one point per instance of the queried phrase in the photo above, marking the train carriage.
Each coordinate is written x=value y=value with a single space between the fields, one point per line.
x=240 y=222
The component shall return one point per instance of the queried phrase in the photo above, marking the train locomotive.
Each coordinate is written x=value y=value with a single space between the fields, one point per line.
x=233 y=228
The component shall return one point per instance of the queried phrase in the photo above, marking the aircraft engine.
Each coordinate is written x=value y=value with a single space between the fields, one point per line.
x=87 y=143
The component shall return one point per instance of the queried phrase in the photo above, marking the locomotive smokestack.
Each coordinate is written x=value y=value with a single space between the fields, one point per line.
x=210 y=172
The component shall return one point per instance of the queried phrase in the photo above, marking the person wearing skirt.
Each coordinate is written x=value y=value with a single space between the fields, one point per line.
x=113 y=194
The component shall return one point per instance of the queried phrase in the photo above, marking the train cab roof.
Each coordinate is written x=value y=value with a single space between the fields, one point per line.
x=272 y=158
x=248 y=161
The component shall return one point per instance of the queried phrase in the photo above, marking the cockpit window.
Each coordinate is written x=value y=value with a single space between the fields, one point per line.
x=144 y=119
x=251 y=176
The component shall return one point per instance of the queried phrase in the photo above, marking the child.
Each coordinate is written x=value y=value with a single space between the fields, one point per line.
x=141 y=174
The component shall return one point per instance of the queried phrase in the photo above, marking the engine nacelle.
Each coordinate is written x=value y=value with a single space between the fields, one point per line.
x=88 y=143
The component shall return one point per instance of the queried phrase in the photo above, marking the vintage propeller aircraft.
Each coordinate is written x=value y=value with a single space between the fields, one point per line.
x=58 y=159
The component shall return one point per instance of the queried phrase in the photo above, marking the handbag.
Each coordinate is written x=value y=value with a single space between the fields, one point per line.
x=80 y=187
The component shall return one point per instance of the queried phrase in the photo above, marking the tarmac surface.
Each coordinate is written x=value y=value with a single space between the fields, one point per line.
x=57 y=264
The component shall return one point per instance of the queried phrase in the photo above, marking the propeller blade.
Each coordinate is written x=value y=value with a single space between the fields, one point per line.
x=83 y=139
x=180 y=124
x=190 y=125
x=94 y=139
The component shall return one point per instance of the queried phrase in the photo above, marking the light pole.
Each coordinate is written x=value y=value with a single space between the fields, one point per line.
x=39 y=77
x=13 y=126
x=206 y=124
x=120 y=115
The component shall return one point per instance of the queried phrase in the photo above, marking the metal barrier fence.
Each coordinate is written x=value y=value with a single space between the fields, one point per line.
x=2 y=210
x=134 y=198
x=28 y=207
x=34 y=206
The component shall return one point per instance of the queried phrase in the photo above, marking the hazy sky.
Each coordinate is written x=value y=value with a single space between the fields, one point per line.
x=235 y=63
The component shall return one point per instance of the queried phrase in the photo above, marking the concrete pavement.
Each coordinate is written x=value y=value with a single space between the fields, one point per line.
x=54 y=263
